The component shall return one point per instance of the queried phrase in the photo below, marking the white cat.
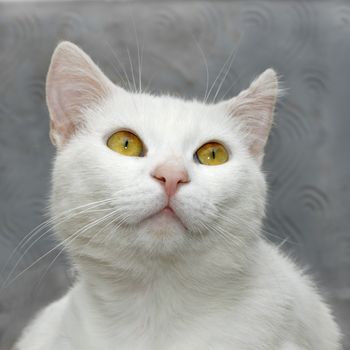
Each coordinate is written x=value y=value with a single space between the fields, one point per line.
x=159 y=203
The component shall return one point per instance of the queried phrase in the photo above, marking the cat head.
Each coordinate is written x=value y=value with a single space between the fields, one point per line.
x=160 y=175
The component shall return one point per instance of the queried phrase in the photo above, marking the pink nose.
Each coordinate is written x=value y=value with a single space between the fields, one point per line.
x=170 y=175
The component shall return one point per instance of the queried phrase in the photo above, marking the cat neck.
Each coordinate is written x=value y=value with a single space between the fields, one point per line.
x=201 y=275
x=155 y=294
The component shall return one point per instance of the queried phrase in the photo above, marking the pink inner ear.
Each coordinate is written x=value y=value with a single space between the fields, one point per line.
x=254 y=107
x=260 y=132
x=74 y=83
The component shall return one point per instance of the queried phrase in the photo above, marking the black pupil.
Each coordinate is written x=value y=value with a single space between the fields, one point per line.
x=126 y=143
x=213 y=153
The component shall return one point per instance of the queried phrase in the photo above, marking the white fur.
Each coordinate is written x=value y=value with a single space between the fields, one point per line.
x=154 y=284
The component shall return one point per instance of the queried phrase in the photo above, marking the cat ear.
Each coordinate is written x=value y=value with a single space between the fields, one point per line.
x=74 y=83
x=254 y=108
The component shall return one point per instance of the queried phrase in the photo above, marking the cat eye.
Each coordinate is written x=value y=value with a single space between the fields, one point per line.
x=126 y=143
x=212 y=153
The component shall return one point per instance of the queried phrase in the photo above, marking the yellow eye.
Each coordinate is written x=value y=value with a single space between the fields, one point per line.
x=212 y=153
x=126 y=143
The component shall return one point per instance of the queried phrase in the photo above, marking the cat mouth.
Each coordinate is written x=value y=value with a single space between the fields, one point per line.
x=168 y=213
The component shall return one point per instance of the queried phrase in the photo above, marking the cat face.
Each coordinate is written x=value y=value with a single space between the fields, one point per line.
x=162 y=196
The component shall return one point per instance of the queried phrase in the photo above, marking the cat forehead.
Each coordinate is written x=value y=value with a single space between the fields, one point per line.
x=165 y=115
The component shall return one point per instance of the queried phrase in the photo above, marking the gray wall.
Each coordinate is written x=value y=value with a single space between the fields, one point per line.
x=307 y=162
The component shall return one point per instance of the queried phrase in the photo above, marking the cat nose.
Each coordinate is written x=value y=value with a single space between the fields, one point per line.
x=170 y=175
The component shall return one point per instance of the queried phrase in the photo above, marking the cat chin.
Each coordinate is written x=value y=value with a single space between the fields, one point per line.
x=163 y=223
x=160 y=236
x=161 y=232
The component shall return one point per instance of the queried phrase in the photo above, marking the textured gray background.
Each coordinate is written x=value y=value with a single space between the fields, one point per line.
x=307 y=162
